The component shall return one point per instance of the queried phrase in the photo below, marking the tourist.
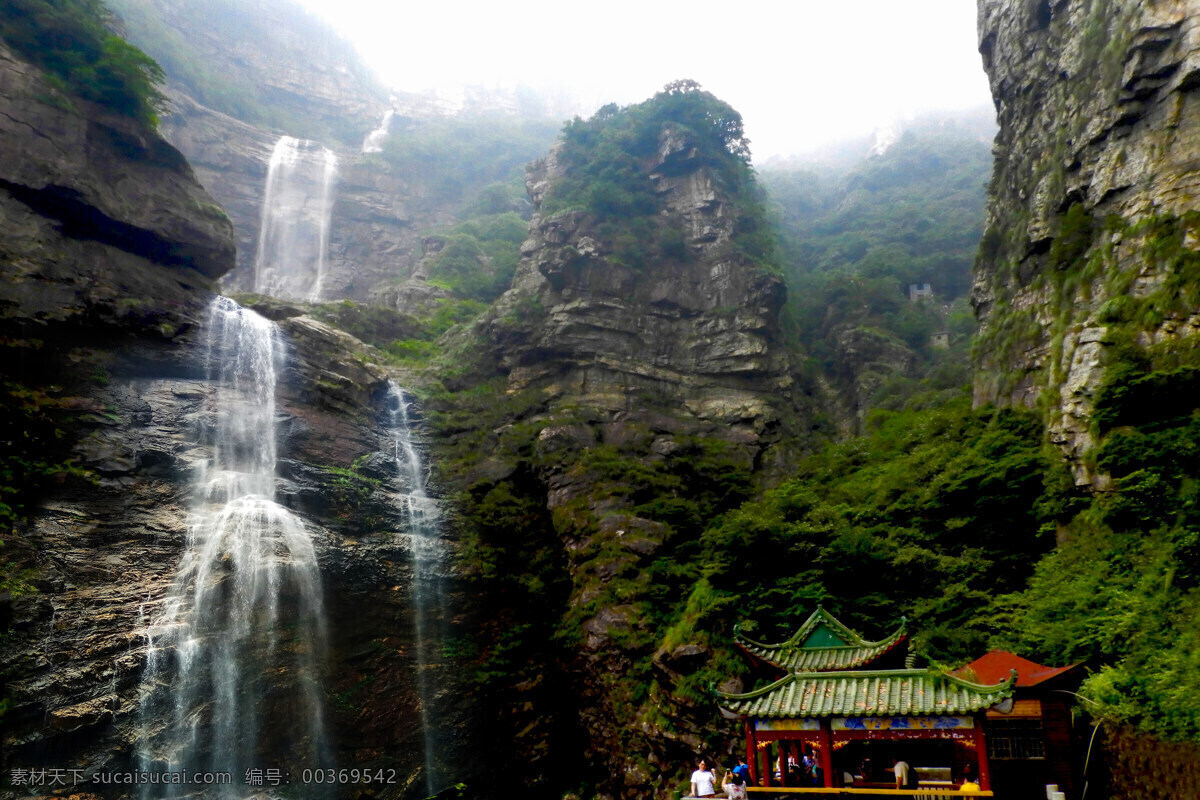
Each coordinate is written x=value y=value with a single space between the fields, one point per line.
x=901 y=769
x=704 y=783
x=969 y=783
x=734 y=785
x=743 y=769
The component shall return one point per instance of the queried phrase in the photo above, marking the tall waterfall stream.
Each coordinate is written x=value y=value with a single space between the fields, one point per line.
x=293 y=235
x=240 y=637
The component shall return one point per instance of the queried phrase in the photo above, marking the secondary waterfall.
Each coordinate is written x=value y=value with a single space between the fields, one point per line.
x=374 y=141
x=236 y=652
x=426 y=553
x=293 y=234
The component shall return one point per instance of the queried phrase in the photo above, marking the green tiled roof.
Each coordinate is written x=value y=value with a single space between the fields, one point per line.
x=822 y=643
x=883 y=693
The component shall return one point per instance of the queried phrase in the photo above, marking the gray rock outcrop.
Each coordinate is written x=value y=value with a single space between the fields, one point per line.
x=1092 y=199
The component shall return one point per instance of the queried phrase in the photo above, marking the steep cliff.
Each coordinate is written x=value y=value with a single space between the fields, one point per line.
x=271 y=63
x=629 y=386
x=1087 y=287
x=109 y=249
x=1091 y=240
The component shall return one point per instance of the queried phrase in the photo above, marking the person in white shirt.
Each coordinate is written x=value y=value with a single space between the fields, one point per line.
x=704 y=783
x=901 y=770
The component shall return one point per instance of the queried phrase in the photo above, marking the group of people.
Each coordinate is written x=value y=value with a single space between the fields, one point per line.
x=733 y=785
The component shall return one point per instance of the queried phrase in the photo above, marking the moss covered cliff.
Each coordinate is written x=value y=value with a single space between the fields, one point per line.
x=629 y=387
x=1087 y=287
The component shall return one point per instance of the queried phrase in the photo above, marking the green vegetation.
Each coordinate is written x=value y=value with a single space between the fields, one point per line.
x=606 y=160
x=477 y=257
x=856 y=238
x=459 y=159
x=71 y=41
x=1123 y=590
x=931 y=514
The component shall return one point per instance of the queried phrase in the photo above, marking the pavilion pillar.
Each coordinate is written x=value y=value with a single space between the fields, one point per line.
x=764 y=755
x=985 y=775
x=751 y=751
x=784 y=746
x=826 y=758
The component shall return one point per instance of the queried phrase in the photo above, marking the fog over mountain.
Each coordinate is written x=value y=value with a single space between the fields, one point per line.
x=802 y=74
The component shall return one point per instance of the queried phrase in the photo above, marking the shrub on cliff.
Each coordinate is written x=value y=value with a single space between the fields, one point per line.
x=69 y=39
x=609 y=157
x=931 y=514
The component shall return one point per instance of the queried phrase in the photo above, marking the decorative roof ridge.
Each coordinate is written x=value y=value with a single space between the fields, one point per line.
x=910 y=672
x=875 y=673
x=811 y=623
x=786 y=679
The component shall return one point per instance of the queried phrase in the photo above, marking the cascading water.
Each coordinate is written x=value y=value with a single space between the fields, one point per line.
x=374 y=141
x=236 y=652
x=426 y=593
x=293 y=235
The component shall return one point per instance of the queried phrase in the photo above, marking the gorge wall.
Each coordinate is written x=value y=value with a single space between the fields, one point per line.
x=1090 y=252
x=612 y=407
x=109 y=252
x=378 y=220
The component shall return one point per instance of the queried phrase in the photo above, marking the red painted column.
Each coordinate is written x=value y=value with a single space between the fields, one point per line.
x=826 y=757
x=985 y=776
x=751 y=751
x=765 y=755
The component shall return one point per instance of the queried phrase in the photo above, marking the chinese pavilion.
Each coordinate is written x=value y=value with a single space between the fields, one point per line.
x=854 y=707
x=1033 y=743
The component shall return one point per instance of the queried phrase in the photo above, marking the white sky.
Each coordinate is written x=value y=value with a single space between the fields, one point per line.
x=801 y=72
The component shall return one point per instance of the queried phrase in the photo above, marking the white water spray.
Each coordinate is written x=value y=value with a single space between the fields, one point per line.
x=293 y=234
x=427 y=598
x=374 y=141
x=236 y=652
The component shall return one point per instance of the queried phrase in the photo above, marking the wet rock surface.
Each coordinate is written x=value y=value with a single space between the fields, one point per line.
x=103 y=323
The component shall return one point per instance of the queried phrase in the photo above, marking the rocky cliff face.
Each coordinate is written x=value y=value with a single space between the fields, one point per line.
x=378 y=220
x=1092 y=223
x=108 y=251
x=272 y=63
x=698 y=333
x=634 y=401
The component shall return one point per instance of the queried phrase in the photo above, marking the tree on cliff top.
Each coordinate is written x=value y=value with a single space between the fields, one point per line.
x=609 y=158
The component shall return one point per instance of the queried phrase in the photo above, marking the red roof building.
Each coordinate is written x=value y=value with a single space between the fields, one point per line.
x=1032 y=743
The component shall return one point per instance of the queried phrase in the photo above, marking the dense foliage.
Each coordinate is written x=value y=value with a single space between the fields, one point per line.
x=857 y=237
x=1123 y=590
x=608 y=158
x=478 y=256
x=71 y=41
x=932 y=514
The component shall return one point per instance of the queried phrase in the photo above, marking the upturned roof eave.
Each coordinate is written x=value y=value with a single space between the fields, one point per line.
x=985 y=696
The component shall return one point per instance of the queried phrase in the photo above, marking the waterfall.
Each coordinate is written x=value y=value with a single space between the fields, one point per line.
x=233 y=673
x=293 y=234
x=427 y=553
x=374 y=141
